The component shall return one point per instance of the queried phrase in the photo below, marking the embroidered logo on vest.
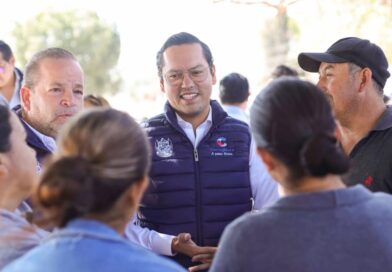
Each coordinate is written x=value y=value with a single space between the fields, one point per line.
x=164 y=148
x=221 y=142
x=221 y=148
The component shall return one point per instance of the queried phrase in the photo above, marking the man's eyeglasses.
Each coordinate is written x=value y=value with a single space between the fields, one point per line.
x=176 y=78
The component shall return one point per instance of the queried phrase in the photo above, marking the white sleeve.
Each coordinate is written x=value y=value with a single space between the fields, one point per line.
x=264 y=187
x=157 y=242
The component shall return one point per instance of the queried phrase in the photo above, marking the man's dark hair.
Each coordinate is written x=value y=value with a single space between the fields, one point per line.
x=284 y=70
x=6 y=51
x=179 y=39
x=233 y=89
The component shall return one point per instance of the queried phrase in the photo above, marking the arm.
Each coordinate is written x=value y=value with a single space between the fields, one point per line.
x=157 y=242
x=264 y=188
x=164 y=244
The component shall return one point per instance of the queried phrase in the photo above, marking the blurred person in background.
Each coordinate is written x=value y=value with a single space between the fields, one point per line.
x=233 y=94
x=91 y=100
x=10 y=77
x=283 y=70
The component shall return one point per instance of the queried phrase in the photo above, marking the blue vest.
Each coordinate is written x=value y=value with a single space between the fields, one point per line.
x=197 y=190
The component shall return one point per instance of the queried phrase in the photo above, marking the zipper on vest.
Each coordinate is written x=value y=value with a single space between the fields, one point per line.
x=253 y=203
x=196 y=155
x=199 y=228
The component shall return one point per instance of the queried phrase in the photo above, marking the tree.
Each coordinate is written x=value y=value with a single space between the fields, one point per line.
x=94 y=43
x=277 y=33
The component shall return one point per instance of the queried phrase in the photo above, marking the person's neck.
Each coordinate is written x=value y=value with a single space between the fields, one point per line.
x=8 y=90
x=195 y=121
x=115 y=219
x=35 y=126
x=352 y=131
x=10 y=200
x=312 y=185
x=242 y=105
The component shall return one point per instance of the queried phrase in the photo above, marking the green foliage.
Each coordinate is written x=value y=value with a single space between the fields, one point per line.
x=94 y=43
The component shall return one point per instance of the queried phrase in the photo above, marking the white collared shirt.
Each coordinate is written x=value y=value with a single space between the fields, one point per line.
x=236 y=112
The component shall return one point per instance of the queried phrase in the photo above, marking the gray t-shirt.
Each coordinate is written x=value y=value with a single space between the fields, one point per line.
x=17 y=236
x=341 y=231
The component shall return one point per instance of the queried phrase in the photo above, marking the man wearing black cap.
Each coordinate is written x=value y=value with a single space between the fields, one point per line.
x=353 y=73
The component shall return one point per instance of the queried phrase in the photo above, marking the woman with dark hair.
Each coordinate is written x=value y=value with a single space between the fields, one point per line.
x=318 y=225
x=17 y=178
x=90 y=191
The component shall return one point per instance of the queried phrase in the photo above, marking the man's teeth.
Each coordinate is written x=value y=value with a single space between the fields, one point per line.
x=188 y=96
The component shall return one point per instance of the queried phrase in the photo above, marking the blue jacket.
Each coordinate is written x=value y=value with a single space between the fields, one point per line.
x=87 y=245
x=197 y=190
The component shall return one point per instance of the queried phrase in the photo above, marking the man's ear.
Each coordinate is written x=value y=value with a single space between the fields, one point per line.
x=162 y=84
x=365 y=77
x=213 y=74
x=12 y=61
x=3 y=167
x=25 y=98
x=338 y=131
x=136 y=191
x=267 y=158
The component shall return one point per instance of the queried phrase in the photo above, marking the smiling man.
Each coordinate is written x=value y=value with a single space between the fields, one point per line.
x=52 y=92
x=204 y=170
x=353 y=73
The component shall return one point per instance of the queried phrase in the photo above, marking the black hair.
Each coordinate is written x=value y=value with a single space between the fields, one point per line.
x=292 y=119
x=5 y=129
x=179 y=39
x=233 y=89
x=6 y=51
x=284 y=70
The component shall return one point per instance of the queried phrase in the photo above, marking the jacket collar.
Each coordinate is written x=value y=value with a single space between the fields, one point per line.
x=32 y=138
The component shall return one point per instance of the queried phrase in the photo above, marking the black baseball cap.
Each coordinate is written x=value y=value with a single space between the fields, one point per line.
x=358 y=51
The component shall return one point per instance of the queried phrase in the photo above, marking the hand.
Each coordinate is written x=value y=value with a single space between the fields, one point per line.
x=183 y=244
x=205 y=258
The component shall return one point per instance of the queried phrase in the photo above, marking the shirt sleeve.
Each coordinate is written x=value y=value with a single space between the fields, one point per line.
x=264 y=187
x=157 y=242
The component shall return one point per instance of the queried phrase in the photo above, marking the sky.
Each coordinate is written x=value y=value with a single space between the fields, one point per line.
x=232 y=32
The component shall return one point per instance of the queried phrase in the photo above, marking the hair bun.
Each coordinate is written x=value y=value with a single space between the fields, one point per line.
x=322 y=155
x=67 y=185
